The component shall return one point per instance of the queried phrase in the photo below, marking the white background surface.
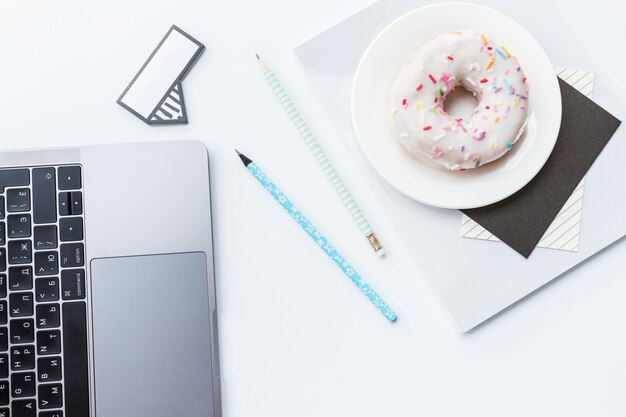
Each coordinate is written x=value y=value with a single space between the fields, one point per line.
x=296 y=337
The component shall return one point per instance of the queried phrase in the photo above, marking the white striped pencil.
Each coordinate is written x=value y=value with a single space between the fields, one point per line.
x=320 y=156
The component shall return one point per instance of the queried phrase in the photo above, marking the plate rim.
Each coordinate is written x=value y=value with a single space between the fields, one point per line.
x=420 y=198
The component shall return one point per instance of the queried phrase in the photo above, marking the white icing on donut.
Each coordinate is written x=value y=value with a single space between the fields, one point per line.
x=481 y=66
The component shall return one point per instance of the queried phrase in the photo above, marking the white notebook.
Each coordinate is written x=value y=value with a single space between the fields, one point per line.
x=480 y=278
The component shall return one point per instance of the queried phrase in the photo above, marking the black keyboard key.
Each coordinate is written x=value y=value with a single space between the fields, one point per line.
x=18 y=199
x=49 y=342
x=18 y=225
x=4 y=366
x=24 y=408
x=55 y=413
x=20 y=278
x=65 y=204
x=72 y=255
x=73 y=284
x=50 y=396
x=44 y=195
x=22 y=331
x=3 y=259
x=4 y=412
x=20 y=252
x=23 y=384
x=70 y=203
x=48 y=316
x=4 y=393
x=3 y=234
x=69 y=178
x=3 y=285
x=4 y=339
x=46 y=289
x=3 y=312
x=22 y=358
x=13 y=178
x=76 y=200
x=49 y=368
x=21 y=304
x=2 y=213
x=74 y=316
x=45 y=237
x=71 y=229
x=46 y=263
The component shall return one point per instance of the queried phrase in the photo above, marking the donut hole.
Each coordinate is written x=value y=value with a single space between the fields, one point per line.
x=460 y=103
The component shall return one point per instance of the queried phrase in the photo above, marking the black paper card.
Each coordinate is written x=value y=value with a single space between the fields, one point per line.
x=521 y=219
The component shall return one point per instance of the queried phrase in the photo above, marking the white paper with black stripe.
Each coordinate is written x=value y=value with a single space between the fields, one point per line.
x=564 y=232
x=155 y=94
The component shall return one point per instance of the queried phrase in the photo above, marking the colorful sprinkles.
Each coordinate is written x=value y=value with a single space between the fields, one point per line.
x=480 y=136
x=487 y=85
x=506 y=85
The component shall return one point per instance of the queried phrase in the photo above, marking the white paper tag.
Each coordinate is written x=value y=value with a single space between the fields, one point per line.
x=155 y=94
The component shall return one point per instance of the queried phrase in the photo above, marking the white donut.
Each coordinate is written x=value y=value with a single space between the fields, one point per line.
x=481 y=66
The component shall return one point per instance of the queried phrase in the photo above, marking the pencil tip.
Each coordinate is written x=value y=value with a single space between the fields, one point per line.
x=246 y=161
x=257 y=56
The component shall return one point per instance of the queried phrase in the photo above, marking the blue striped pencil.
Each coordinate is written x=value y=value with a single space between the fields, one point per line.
x=319 y=154
x=321 y=241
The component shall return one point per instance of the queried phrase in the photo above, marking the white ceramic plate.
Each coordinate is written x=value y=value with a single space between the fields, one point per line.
x=420 y=178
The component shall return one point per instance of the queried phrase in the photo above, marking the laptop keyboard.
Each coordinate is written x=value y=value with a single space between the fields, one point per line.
x=43 y=320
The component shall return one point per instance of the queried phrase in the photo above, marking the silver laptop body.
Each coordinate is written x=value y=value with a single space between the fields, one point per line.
x=115 y=316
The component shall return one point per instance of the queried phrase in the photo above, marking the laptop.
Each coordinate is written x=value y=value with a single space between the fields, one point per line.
x=107 y=291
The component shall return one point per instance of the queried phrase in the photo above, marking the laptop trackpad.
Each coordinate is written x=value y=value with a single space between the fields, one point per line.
x=151 y=336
